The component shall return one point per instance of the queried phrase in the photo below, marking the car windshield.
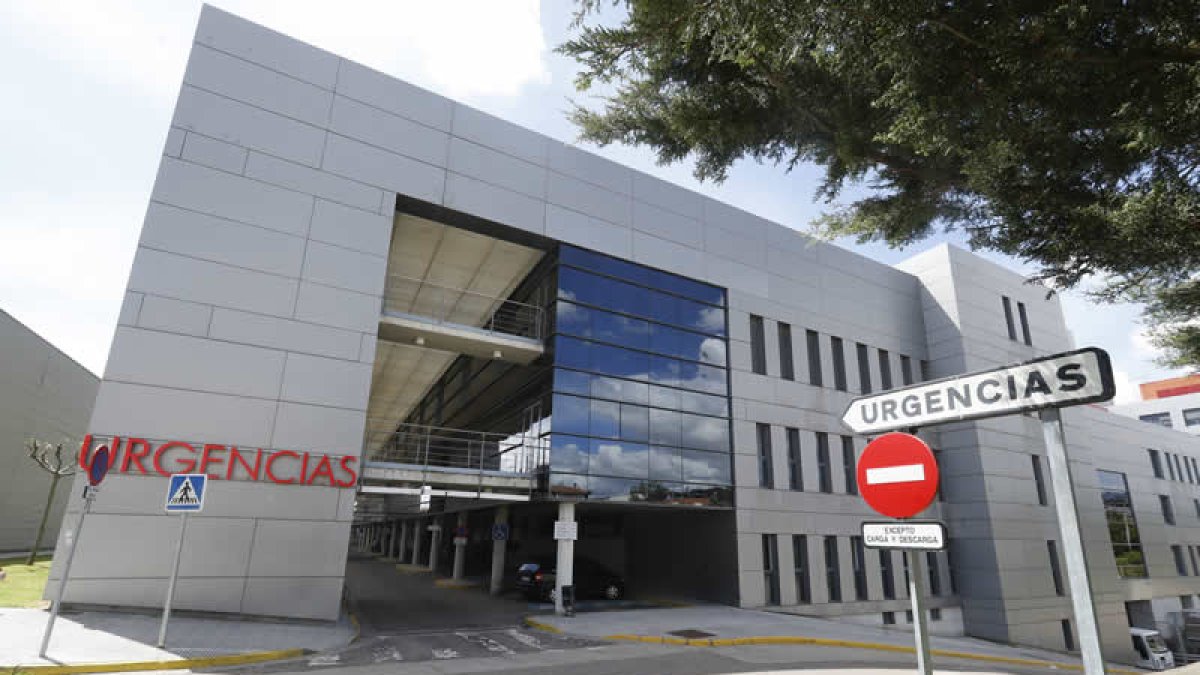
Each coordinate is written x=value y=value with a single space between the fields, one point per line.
x=1155 y=643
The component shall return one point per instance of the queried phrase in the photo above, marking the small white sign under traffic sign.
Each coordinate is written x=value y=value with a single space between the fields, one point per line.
x=920 y=536
x=566 y=529
x=1072 y=378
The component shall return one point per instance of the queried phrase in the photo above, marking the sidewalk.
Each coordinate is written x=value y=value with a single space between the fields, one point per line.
x=718 y=626
x=95 y=637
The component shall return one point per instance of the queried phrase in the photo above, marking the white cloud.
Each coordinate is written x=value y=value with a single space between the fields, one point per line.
x=1127 y=389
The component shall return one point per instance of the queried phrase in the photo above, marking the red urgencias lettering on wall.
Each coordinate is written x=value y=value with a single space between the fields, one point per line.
x=225 y=462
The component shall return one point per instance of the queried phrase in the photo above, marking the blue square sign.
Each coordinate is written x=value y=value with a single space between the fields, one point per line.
x=186 y=492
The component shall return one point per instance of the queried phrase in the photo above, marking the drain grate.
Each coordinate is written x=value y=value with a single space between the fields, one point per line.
x=691 y=633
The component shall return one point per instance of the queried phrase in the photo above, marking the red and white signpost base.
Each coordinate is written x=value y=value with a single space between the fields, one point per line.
x=898 y=477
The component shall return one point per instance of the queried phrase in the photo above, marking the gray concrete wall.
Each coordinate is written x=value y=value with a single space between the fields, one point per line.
x=45 y=395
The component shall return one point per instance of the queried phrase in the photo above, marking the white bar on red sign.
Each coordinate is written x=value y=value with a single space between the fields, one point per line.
x=905 y=473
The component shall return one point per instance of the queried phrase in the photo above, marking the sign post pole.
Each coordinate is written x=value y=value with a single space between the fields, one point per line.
x=162 y=629
x=1068 y=527
x=916 y=591
x=62 y=585
x=97 y=470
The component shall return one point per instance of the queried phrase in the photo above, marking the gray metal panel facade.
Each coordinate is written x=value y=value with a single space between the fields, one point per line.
x=46 y=395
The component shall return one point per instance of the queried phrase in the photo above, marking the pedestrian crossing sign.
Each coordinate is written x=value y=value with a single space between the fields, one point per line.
x=186 y=492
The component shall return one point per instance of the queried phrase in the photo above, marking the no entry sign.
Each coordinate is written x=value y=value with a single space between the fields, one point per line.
x=897 y=475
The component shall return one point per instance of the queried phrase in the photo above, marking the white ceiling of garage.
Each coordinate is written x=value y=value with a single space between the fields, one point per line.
x=426 y=258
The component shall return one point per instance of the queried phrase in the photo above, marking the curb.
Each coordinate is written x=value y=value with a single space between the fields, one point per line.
x=533 y=623
x=174 y=664
x=851 y=644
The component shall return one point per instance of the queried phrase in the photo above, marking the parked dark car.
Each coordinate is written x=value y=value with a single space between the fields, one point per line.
x=592 y=580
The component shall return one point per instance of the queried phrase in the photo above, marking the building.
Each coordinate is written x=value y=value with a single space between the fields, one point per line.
x=376 y=317
x=47 y=396
x=1173 y=403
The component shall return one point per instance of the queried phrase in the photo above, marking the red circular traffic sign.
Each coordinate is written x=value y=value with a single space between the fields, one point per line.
x=898 y=475
x=98 y=467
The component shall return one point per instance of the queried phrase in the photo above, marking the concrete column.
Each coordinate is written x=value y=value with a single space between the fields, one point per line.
x=402 y=549
x=435 y=544
x=395 y=540
x=460 y=545
x=418 y=530
x=498 y=550
x=565 y=575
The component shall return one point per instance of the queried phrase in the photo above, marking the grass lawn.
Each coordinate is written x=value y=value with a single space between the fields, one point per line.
x=22 y=586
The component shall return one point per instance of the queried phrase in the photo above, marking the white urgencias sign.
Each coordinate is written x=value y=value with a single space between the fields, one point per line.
x=1072 y=378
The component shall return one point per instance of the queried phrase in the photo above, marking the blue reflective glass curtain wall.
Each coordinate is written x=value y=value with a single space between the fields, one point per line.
x=641 y=388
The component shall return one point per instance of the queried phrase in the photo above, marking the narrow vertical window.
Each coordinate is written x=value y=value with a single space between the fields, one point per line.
x=1196 y=503
x=800 y=558
x=824 y=471
x=858 y=559
x=795 y=468
x=1187 y=468
x=1068 y=635
x=814 y=357
x=758 y=346
x=1180 y=564
x=1008 y=318
x=1055 y=570
x=885 y=370
x=935 y=573
x=889 y=618
x=833 y=574
x=925 y=371
x=886 y=574
x=848 y=465
x=950 y=571
x=1039 y=482
x=839 y=363
x=1170 y=465
x=906 y=374
x=764 y=456
x=864 y=367
x=1168 y=512
x=1195 y=567
x=1155 y=462
x=770 y=568
x=1178 y=469
x=787 y=366
x=1024 y=323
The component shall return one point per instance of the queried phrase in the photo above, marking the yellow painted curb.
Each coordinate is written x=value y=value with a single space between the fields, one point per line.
x=849 y=644
x=532 y=623
x=175 y=664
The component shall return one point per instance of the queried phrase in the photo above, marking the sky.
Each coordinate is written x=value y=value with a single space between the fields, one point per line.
x=92 y=86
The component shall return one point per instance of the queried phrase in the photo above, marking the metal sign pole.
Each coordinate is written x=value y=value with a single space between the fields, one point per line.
x=1068 y=527
x=916 y=591
x=62 y=586
x=162 y=629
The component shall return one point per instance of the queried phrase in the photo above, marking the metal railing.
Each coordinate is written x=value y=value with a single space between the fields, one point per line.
x=436 y=450
x=419 y=297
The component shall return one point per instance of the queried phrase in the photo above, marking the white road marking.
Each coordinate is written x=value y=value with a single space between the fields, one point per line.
x=525 y=639
x=905 y=473
x=381 y=654
x=325 y=660
x=445 y=654
x=486 y=642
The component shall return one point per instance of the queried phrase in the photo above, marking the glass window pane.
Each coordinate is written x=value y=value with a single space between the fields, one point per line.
x=570 y=415
x=571 y=382
x=703 y=404
x=620 y=330
x=635 y=422
x=568 y=453
x=666 y=427
x=568 y=485
x=616 y=458
x=701 y=317
x=619 y=362
x=605 y=419
x=706 y=467
x=620 y=489
x=665 y=463
x=573 y=319
x=706 y=433
x=664 y=397
x=572 y=353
